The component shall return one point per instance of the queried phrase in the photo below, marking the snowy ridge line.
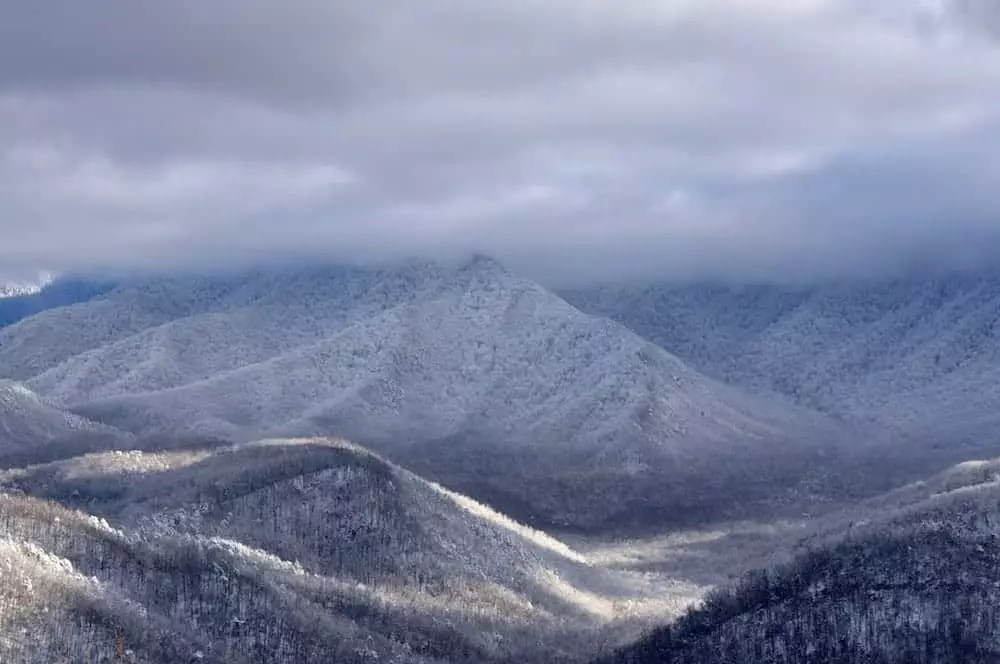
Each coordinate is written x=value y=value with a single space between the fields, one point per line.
x=402 y=359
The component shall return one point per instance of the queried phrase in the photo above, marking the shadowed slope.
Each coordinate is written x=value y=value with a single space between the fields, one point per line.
x=16 y=306
x=32 y=429
x=911 y=576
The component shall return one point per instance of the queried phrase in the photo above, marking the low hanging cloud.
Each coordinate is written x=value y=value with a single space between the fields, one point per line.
x=574 y=139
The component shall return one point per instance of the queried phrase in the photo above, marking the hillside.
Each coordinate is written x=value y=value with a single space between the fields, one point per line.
x=866 y=349
x=17 y=303
x=917 y=358
x=911 y=576
x=32 y=429
x=468 y=374
x=928 y=595
x=285 y=551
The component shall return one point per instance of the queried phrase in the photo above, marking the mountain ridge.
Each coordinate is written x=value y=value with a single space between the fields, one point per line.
x=405 y=358
x=33 y=429
x=908 y=576
x=914 y=360
x=316 y=544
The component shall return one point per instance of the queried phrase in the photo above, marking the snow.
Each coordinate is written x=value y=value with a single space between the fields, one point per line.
x=392 y=358
x=22 y=288
x=318 y=520
x=679 y=389
x=917 y=356
x=26 y=417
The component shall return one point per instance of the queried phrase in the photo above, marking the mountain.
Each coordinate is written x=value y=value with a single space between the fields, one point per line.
x=866 y=349
x=21 y=288
x=19 y=302
x=281 y=551
x=911 y=576
x=175 y=485
x=915 y=357
x=465 y=373
x=32 y=429
x=929 y=595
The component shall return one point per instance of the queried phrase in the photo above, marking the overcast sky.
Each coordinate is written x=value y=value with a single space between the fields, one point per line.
x=573 y=139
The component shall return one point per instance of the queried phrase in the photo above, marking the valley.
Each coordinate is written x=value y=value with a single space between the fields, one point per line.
x=491 y=332
x=467 y=373
x=436 y=462
x=365 y=556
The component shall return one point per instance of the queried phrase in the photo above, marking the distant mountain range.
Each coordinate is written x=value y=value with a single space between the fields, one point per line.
x=900 y=351
x=20 y=301
x=21 y=288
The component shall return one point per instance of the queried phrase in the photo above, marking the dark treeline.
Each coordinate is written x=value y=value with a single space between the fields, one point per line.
x=281 y=553
x=928 y=596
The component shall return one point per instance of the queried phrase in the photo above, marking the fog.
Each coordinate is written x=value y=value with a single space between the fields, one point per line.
x=575 y=140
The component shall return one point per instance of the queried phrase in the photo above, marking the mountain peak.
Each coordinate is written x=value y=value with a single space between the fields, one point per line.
x=483 y=262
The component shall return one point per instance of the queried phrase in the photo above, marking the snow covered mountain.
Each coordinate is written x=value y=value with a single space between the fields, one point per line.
x=282 y=551
x=21 y=288
x=32 y=429
x=919 y=357
x=16 y=304
x=926 y=594
x=909 y=576
x=661 y=405
x=466 y=373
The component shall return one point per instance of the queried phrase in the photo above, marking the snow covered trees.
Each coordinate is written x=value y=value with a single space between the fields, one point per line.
x=930 y=594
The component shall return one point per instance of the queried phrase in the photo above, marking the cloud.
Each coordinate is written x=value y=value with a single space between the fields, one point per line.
x=575 y=139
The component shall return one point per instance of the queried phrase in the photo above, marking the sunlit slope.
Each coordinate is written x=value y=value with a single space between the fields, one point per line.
x=290 y=550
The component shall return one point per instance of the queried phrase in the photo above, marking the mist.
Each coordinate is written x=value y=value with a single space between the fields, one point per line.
x=574 y=141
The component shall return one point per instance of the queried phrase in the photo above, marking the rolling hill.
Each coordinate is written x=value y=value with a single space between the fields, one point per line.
x=283 y=551
x=911 y=576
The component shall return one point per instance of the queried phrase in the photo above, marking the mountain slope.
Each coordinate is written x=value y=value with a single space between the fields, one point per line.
x=293 y=551
x=856 y=349
x=917 y=357
x=19 y=303
x=911 y=576
x=32 y=429
x=51 y=612
x=270 y=310
x=929 y=595
x=471 y=375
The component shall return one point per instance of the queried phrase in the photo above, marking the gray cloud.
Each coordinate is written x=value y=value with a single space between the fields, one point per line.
x=574 y=139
